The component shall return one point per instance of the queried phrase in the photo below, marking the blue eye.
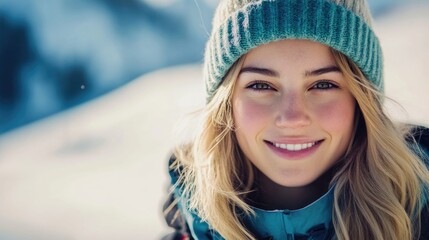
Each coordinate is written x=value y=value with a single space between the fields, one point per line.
x=323 y=85
x=259 y=86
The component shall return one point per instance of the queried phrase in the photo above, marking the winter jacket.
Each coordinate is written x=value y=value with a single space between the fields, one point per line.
x=313 y=222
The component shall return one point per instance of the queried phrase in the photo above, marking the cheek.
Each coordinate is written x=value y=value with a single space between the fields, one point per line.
x=337 y=115
x=250 y=116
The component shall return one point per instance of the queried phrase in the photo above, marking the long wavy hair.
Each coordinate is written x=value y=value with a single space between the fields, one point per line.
x=379 y=183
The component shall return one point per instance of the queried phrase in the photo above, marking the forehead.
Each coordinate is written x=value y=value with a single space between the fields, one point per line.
x=290 y=51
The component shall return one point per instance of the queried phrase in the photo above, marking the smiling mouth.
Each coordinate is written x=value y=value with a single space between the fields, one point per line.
x=295 y=147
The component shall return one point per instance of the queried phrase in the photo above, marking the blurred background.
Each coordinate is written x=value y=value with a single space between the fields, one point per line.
x=91 y=92
x=58 y=54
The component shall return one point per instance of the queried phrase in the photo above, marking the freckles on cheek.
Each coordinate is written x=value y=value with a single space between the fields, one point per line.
x=336 y=115
x=248 y=114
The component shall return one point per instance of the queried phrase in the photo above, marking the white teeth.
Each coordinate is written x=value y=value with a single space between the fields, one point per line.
x=294 y=147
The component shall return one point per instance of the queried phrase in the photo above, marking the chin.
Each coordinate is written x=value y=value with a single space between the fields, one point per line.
x=294 y=182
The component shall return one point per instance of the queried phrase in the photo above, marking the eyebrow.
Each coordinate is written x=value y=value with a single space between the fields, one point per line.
x=263 y=71
x=272 y=73
x=321 y=71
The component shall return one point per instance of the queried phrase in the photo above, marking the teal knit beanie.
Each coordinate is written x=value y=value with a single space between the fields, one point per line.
x=240 y=25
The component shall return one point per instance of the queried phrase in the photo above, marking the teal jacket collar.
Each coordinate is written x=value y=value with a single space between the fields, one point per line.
x=310 y=222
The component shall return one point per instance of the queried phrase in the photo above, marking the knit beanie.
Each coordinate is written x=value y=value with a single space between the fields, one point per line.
x=240 y=25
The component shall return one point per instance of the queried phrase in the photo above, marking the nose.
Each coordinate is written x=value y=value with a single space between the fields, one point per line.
x=293 y=112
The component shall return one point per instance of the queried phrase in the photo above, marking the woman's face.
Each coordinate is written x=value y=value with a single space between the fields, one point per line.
x=292 y=111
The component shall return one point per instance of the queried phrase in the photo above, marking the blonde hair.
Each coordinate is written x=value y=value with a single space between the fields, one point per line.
x=378 y=185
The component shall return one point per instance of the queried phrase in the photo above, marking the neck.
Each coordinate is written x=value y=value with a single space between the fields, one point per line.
x=269 y=195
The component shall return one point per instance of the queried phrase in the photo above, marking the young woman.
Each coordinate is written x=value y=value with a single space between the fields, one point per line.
x=295 y=143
